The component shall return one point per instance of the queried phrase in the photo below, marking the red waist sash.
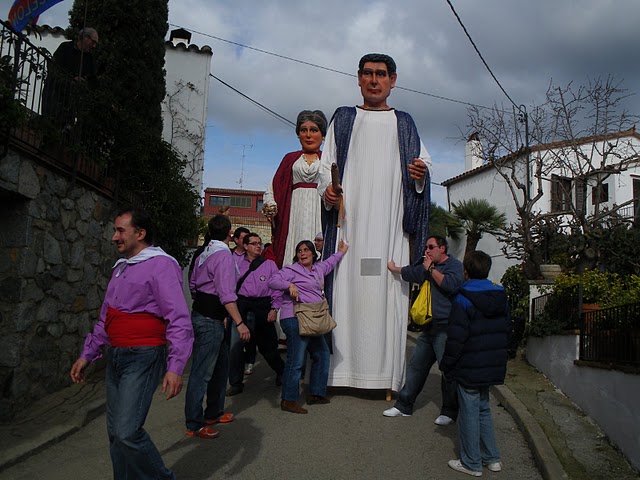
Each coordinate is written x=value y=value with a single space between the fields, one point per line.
x=304 y=185
x=134 y=329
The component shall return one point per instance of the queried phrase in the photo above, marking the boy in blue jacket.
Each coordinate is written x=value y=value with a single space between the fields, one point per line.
x=475 y=357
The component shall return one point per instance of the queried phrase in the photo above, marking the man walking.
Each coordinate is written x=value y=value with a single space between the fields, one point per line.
x=213 y=284
x=144 y=310
x=445 y=274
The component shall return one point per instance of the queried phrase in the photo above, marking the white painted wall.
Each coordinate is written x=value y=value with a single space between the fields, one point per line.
x=487 y=185
x=609 y=397
x=187 y=81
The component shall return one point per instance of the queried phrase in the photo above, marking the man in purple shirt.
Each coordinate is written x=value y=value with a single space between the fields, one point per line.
x=258 y=305
x=213 y=285
x=239 y=251
x=144 y=310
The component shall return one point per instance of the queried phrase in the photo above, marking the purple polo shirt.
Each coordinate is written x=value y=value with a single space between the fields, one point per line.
x=310 y=283
x=257 y=283
x=216 y=276
x=242 y=264
x=239 y=259
x=153 y=286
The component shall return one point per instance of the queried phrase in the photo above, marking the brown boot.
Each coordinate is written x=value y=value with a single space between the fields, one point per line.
x=317 y=399
x=291 y=406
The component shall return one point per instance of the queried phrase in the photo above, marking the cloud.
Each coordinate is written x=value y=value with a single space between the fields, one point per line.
x=525 y=43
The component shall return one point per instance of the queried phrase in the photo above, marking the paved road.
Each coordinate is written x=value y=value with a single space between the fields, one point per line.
x=347 y=439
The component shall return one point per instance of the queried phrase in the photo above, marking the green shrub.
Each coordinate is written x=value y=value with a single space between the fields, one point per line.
x=605 y=289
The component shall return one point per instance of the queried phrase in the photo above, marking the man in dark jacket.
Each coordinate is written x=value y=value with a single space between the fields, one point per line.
x=475 y=357
x=445 y=274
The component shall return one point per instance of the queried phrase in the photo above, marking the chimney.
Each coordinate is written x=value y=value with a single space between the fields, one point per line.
x=180 y=35
x=472 y=152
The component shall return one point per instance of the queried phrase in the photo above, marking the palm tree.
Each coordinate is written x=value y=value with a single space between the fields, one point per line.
x=478 y=217
x=442 y=223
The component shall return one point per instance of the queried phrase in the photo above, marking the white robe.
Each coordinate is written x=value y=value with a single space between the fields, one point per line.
x=305 y=210
x=370 y=307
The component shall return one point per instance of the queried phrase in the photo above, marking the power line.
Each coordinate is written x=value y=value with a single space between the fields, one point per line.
x=322 y=67
x=266 y=109
x=479 y=54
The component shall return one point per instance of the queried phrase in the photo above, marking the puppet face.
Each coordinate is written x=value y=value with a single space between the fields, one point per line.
x=376 y=84
x=310 y=137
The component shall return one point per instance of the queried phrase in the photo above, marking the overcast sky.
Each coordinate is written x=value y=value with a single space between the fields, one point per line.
x=527 y=44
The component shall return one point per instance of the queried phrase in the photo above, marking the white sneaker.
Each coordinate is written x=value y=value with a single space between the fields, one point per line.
x=248 y=369
x=394 y=412
x=457 y=465
x=443 y=420
x=494 y=466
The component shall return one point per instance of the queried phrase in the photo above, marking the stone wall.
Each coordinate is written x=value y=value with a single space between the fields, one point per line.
x=55 y=259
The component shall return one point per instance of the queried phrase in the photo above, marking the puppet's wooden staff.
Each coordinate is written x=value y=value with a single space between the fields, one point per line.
x=337 y=188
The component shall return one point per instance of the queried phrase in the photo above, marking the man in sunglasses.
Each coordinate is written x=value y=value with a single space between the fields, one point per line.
x=445 y=274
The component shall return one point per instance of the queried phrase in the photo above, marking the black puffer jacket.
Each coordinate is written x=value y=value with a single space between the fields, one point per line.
x=478 y=335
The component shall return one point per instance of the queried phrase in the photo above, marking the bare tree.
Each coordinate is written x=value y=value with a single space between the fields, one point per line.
x=574 y=141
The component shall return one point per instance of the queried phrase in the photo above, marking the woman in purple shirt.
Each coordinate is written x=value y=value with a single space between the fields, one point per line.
x=303 y=282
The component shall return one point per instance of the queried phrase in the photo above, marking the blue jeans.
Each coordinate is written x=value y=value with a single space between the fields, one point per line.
x=209 y=371
x=475 y=428
x=297 y=347
x=133 y=373
x=429 y=349
x=263 y=333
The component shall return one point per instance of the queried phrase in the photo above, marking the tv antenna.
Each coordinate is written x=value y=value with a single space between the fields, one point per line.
x=244 y=148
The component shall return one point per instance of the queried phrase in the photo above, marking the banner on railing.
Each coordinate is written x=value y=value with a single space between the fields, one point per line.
x=27 y=11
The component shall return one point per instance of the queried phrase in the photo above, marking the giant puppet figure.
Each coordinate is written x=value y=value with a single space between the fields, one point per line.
x=383 y=170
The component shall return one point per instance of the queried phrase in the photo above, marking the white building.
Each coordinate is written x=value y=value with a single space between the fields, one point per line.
x=184 y=108
x=565 y=184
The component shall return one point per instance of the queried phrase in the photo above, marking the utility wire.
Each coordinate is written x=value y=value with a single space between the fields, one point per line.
x=329 y=69
x=480 y=55
x=266 y=109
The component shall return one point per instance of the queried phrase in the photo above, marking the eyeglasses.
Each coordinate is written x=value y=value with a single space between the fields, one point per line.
x=255 y=244
x=431 y=247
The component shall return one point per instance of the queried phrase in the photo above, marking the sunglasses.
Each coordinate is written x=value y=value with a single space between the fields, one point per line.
x=255 y=244
x=431 y=247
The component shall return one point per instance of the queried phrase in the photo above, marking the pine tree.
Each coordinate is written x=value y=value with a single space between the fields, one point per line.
x=126 y=115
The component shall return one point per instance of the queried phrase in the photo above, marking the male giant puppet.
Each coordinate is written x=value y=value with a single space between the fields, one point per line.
x=383 y=170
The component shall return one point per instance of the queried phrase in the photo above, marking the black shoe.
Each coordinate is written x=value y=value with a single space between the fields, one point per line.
x=234 y=390
x=414 y=327
x=317 y=400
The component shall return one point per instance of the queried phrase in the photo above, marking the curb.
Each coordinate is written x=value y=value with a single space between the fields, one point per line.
x=53 y=435
x=543 y=453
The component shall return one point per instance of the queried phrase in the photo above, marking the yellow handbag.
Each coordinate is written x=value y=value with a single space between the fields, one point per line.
x=421 y=308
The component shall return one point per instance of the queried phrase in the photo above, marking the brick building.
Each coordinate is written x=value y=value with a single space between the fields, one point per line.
x=244 y=208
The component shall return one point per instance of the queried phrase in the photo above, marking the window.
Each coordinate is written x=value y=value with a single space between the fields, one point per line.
x=259 y=205
x=581 y=196
x=241 y=202
x=600 y=194
x=560 y=194
x=216 y=201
